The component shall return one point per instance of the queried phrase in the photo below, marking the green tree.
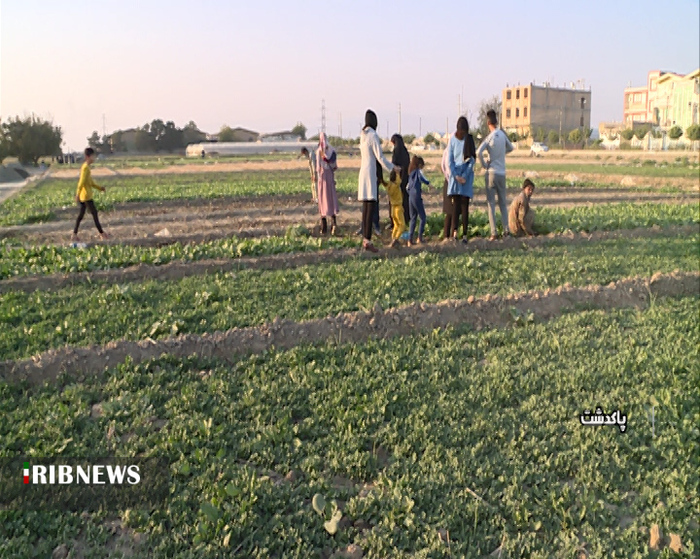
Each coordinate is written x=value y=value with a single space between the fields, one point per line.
x=539 y=134
x=116 y=141
x=693 y=132
x=675 y=132
x=226 y=134
x=409 y=138
x=513 y=136
x=30 y=138
x=300 y=130
x=172 y=138
x=553 y=137
x=576 y=136
x=191 y=134
x=429 y=139
x=494 y=103
x=627 y=134
x=642 y=131
x=144 y=140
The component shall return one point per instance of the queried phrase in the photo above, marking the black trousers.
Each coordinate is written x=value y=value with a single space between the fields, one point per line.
x=368 y=211
x=90 y=205
x=460 y=205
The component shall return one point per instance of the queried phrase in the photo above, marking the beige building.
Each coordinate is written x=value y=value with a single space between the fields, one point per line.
x=528 y=108
x=668 y=99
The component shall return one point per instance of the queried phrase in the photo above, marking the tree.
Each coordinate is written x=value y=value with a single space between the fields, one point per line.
x=513 y=136
x=30 y=138
x=172 y=138
x=693 y=132
x=576 y=136
x=4 y=149
x=553 y=137
x=675 y=132
x=226 y=134
x=144 y=140
x=494 y=103
x=300 y=130
x=409 y=138
x=627 y=134
x=191 y=134
x=642 y=131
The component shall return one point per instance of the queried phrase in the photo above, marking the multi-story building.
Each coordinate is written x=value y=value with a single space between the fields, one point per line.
x=668 y=99
x=531 y=107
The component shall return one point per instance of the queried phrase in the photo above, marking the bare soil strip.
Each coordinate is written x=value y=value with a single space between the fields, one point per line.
x=137 y=224
x=357 y=327
x=177 y=269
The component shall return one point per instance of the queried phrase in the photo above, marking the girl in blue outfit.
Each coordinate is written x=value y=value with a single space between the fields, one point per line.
x=415 y=198
x=460 y=189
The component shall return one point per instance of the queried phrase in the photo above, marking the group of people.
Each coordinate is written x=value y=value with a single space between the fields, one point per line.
x=459 y=158
x=404 y=186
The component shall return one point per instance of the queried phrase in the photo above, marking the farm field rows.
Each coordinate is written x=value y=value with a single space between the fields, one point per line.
x=452 y=443
x=431 y=395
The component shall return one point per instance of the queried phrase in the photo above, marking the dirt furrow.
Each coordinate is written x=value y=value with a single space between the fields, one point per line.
x=356 y=327
x=177 y=269
x=251 y=220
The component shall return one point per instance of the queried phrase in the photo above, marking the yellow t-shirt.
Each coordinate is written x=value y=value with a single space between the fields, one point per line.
x=86 y=184
x=394 y=191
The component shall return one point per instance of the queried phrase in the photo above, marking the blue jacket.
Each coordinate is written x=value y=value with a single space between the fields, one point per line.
x=460 y=168
x=415 y=180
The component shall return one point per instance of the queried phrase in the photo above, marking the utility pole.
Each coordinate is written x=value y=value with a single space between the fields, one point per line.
x=459 y=105
x=420 y=127
x=399 y=118
x=323 y=116
x=560 y=141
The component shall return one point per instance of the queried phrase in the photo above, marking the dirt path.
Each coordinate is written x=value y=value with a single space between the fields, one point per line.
x=355 y=327
x=176 y=270
x=198 y=220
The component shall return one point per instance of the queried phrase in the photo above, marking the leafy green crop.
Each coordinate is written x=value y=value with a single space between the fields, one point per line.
x=86 y=314
x=452 y=414
x=19 y=260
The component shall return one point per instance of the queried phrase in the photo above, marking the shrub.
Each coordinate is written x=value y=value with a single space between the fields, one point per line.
x=675 y=132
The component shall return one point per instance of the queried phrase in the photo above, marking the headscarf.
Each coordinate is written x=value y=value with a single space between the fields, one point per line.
x=400 y=156
x=469 y=149
x=370 y=120
x=324 y=146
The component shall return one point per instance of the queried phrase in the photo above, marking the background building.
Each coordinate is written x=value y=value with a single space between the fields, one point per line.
x=528 y=108
x=668 y=99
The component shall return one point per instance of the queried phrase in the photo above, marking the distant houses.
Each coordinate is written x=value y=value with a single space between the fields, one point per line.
x=286 y=136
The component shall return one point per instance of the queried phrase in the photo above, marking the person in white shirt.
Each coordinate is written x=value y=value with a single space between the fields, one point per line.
x=497 y=145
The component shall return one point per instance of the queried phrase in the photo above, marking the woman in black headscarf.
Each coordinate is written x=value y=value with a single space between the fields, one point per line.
x=401 y=158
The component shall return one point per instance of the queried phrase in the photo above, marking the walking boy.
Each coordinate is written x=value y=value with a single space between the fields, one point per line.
x=83 y=195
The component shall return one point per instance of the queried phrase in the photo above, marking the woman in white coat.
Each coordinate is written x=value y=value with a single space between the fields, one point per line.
x=371 y=153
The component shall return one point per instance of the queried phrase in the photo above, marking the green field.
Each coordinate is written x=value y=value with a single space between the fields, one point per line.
x=86 y=314
x=402 y=434
x=19 y=260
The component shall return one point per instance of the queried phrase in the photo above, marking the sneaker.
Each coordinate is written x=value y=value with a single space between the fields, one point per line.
x=334 y=230
x=371 y=248
x=404 y=236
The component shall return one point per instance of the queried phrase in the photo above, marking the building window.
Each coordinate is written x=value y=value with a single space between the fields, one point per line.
x=581 y=120
x=517 y=94
x=525 y=93
x=517 y=113
x=508 y=94
x=583 y=102
x=507 y=113
x=525 y=109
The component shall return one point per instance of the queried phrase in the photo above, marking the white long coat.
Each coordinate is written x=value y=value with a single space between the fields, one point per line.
x=371 y=152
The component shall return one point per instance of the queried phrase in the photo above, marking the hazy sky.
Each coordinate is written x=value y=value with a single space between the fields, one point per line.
x=265 y=65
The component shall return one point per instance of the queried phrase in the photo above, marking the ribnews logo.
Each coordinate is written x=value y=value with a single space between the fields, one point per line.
x=73 y=484
x=99 y=474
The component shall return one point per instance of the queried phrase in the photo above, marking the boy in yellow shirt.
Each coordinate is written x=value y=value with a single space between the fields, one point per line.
x=83 y=195
x=393 y=188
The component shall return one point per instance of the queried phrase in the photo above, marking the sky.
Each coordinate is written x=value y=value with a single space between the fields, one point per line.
x=265 y=65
